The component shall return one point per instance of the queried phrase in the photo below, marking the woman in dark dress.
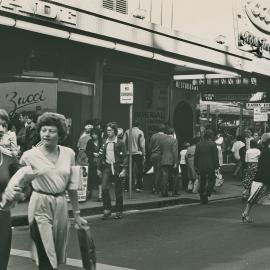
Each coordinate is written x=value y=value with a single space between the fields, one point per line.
x=92 y=152
x=7 y=164
x=261 y=194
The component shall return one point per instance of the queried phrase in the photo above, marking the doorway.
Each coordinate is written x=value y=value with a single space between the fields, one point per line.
x=183 y=122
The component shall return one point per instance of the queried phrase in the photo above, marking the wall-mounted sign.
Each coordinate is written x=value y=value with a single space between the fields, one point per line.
x=252 y=26
x=258 y=105
x=237 y=97
x=16 y=97
x=226 y=82
x=40 y=9
x=259 y=115
x=186 y=85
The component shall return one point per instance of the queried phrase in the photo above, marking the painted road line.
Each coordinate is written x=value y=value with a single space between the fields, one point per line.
x=70 y=262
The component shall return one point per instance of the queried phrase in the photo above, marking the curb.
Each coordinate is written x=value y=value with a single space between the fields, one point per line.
x=21 y=220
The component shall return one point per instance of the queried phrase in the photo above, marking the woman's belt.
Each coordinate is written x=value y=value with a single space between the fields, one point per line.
x=50 y=194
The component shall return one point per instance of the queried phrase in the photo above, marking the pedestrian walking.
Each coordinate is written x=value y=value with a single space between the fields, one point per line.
x=155 y=156
x=169 y=162
x=260 y=194
x=21 y=133
x=138 y=153
x=251 y=159
x=190 y=154
x=11 y=194
x=183 y=166
x=206 y=163
x=48 y=209
x=31 y=134
x=113 y=166
x=82 y=142
x=92 y=151
x=237 y=145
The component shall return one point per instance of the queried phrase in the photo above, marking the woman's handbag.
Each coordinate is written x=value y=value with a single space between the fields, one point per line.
x=87 y=248
x=196 y=186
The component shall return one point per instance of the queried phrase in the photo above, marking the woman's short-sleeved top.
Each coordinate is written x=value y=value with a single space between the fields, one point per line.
x=53 y=177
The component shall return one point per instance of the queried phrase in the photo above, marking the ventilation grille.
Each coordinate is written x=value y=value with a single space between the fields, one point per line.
x=116 y=5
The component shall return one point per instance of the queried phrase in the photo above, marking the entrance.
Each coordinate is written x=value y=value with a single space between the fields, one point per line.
x=183 y=122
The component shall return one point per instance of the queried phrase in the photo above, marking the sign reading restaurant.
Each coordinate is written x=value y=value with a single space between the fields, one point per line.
x=253 y=26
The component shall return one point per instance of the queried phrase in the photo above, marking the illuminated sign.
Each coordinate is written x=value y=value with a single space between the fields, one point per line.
x=253 y=26
x=40 y=9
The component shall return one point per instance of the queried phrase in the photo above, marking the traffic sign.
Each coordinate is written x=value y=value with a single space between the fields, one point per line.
x=258 y=105
x=126 y=93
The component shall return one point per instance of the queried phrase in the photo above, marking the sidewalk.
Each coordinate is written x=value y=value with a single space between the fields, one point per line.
x=231 y=188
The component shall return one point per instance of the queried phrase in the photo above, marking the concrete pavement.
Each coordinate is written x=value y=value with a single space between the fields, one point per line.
x=144 y=200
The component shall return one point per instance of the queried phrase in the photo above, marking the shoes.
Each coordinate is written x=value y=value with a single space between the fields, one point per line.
x=246 y=218
x=118 y=215
x=176 y=194
x=106 y=214
x=99 y=200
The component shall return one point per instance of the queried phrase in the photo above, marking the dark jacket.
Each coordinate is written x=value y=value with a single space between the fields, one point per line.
x=120 y=154
x=206 y=156
x=90 y=150
x=31 y=137
x=263 y=172
x=169 y=151
x=155 y=141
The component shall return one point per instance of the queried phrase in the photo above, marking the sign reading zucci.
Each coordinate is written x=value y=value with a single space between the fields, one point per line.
x=253 y=22
x=40 y=9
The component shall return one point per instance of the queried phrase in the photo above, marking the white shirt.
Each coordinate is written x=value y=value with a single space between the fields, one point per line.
x=183 y=156
x=236 y=147
x=252 y=155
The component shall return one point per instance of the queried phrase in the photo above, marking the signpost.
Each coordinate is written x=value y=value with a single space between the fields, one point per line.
x=127 y=97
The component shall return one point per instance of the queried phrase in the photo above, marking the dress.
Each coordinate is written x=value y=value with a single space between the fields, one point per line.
x=50 y=212
x=251 y=159
x=262 y=195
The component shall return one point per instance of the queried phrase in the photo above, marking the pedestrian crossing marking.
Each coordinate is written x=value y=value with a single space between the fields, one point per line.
x=70 y=261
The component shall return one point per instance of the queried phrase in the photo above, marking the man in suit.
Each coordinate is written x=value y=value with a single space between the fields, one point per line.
x=154 y=150
x=169 y=160
x=206 y=162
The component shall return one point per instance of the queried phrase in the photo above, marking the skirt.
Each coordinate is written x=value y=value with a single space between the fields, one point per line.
x=261 y=196
x=5 y=238
x=249 y=174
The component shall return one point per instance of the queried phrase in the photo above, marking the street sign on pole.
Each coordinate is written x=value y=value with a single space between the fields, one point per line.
x=126 y=97
x=126 y=93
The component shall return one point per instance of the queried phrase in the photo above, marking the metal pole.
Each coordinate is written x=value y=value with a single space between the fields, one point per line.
x=130 y=150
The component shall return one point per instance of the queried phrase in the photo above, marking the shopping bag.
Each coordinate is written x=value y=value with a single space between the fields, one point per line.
x=87 y=248
x=196 y=186
x=190 y=186
x=219 y=179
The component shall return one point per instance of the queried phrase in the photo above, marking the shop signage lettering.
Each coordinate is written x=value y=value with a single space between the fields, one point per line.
x=40 y=9
x=259 y=42
x=226 y=81
x=186 y=85
x=19 y=102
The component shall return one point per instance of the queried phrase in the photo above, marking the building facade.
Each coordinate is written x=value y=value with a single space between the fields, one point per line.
x=70 y=56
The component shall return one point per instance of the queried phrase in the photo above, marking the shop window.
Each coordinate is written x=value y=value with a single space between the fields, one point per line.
x=120 y=6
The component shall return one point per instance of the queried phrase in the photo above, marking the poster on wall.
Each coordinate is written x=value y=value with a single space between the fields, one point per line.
x=36 y=96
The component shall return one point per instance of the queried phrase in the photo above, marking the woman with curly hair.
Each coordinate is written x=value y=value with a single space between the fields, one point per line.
x=48 y=210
